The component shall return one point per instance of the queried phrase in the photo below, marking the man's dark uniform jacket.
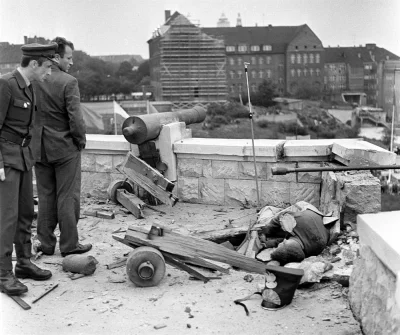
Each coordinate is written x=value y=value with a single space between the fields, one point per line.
x=17 y=105
x=16 y=118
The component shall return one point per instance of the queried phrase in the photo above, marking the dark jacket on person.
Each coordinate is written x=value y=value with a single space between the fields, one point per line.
x=61 y=128
x=311 y=231
x=17 y=115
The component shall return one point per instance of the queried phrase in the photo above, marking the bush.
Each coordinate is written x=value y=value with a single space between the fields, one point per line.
x=262 y=123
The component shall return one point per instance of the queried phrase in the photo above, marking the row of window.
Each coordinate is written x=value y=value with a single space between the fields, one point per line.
x=253 y=87
x=370 y=76
x=244 y=48
x=305 y=72
x=305 y=58
x=335 y=79
x=253 y=60
x=253 y=74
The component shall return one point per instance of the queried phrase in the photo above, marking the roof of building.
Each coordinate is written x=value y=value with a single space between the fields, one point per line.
x=358 y=55
x=278 y=37
x=10 y=53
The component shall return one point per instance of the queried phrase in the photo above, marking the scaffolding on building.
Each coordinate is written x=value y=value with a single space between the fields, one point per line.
x=191 y=66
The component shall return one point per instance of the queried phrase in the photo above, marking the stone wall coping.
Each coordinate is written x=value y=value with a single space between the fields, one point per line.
x=107 y=142
x=381 y=231
x=312 y=148
x=265 y=147
x=228 y=147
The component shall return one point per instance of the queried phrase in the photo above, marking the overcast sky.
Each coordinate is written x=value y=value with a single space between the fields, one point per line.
x=104 y=27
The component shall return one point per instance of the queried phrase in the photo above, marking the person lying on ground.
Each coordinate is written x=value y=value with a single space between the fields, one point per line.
x=297 y=235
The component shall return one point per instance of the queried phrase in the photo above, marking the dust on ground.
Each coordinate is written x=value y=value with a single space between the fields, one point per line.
x=108 y=303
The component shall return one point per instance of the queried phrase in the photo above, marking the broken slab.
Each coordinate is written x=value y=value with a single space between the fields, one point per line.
x=241 y=149
x=362 y=153
x=311 y=150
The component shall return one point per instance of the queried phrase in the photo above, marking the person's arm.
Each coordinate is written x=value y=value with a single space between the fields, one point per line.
x=5 y=98
x=73 y=106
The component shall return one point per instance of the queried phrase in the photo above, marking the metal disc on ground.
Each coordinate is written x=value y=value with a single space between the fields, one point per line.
x=145 y=266
x=116 y=185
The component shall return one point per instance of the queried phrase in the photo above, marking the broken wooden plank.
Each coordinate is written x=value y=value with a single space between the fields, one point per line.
x=152 y=186
x=175 y=243
x=222 y=235
x=141 y=167
x=186 y=259
x=117 y=264
x=22 y=303
x=131 y=202
x=184 y=267
x=45 y=293
x=250 y=252
x=105 y=215
x=99 y=214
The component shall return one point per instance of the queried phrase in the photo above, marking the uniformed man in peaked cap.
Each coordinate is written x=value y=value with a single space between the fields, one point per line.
x=17 y=113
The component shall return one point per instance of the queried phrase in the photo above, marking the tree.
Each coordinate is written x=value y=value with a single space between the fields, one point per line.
x=266 y=92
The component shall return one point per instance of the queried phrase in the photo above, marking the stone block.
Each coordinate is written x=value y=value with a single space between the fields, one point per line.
x=314 y=150
x=95 y=184
x=104 y=163
x=212 y=191
x=117 y=161
x=309 y=177
x=372 y=295
x=381 y=231
x=358 y=192
x=362 y=153
x=305 y=192
x=290 y=177
x=88 y=162
x=265 y=150
x=225 y=169
x=190 y=167
x=107 y=142
x=239 y=192
x=246 y=170
x=169 y=134
x=207 y=168
x=188 y=189
x=274 y=193
x=328 y=191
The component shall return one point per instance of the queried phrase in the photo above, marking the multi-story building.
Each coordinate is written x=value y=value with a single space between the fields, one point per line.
x=185 y=63
x=354 y=71
x=388 y=96
x=192 y=63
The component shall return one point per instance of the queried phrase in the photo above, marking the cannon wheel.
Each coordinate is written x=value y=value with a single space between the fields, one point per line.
x=116 y=185
x=145 y=267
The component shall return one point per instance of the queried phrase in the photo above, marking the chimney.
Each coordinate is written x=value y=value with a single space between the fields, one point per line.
x=370 y=46
x=238 y=21
x=167 y=15
x=25 y=39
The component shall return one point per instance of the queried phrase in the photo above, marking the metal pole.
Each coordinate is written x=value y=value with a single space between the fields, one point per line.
x=252 y=134
x=393 y=113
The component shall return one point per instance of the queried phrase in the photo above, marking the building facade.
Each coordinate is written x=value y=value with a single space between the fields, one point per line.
x=388 y=93
x=355 y=71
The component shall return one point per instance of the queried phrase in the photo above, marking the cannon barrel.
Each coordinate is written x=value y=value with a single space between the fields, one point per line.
x=283 y=171
x=141 y=128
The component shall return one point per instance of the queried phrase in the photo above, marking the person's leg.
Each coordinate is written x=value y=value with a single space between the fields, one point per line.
x=68 y=176
x=47 y=215
x=22 y=239
x=9 y=193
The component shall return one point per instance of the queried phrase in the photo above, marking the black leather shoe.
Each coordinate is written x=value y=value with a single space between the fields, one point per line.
x=45 y=252
x=80 y=249
x=26 y=269
x=11 y=285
